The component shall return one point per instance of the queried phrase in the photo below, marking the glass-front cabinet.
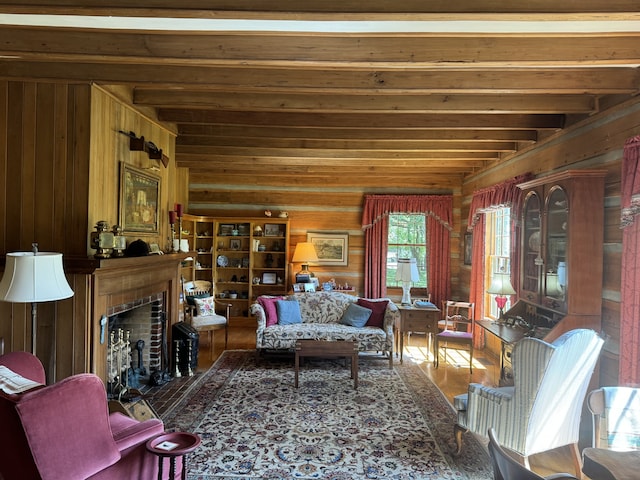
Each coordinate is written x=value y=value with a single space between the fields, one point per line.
x=562 y=250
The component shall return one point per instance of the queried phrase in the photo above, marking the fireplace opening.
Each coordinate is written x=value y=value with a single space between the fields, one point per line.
x=137 y=349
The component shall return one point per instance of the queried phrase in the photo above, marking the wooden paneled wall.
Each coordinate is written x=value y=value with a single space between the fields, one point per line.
x=59 y=165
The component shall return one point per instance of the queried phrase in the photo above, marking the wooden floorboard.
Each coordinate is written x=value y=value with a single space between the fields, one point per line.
x=452 y=378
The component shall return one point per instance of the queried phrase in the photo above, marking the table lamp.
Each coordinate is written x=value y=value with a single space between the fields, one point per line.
x=406 y=273
x=32 y=277
x=304 y=253
x=501 y=287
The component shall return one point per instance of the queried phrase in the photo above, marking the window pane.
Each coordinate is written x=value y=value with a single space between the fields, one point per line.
x=498 y=241
x=407 y=239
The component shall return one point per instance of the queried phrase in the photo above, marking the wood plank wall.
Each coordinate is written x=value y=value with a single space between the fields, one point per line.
x=59 y=162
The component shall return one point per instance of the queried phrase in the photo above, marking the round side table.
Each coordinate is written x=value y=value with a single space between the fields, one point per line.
x=172 y=445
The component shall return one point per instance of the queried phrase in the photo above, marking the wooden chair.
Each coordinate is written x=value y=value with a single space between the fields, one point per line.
x=201 y=291
x=507 y=468
x=458 y=329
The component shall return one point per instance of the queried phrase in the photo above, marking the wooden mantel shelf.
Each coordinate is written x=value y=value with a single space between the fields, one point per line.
x=88 y=266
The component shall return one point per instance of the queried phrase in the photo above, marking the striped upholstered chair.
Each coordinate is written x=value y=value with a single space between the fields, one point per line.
x=542 y=410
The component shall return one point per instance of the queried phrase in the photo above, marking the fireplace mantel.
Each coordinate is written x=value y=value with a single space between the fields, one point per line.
x=116 y=281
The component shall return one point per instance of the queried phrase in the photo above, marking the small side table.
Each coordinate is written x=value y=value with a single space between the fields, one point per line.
x=172 y=445
x=413 y=319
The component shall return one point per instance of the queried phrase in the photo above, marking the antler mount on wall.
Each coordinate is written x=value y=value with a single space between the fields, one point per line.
x=139 y=144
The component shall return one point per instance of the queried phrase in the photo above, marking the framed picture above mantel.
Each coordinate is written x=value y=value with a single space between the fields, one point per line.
x=139 y=195
x=332 y=247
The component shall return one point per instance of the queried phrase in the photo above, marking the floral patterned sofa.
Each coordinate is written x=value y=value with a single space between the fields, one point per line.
x=321 y=314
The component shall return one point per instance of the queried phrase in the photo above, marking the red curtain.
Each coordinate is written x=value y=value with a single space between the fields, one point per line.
x=504 y=194
x=375 y=223
x=629 y=370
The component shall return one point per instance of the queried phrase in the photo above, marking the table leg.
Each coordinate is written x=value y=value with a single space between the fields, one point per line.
x=297 y=369
x=172 y=469
x=401 y=345
x=354 y=369
x=160 y=465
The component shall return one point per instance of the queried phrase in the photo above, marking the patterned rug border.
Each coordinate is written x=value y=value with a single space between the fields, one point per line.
x=198 y=397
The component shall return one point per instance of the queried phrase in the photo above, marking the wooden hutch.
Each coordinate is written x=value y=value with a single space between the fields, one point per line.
x=561 y=261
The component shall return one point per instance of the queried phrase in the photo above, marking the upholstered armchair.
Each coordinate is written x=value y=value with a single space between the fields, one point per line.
x=65 y=430
x=542 y=410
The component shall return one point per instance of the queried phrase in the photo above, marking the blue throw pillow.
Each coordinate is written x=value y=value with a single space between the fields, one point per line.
x=355 y=316
x=288 y=312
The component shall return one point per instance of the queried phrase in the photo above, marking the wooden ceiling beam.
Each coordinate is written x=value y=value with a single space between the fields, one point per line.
x=371 y=121
x=295 y=9
x=346 y=79
x=213 y=132
x=403 y=50
x=188 y=144
x=381 y=102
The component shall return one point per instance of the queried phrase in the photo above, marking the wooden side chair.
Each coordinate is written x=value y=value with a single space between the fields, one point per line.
x=204 y=312
x=459 y=325
x=506 y=467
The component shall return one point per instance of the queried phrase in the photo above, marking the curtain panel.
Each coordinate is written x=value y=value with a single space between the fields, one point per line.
x=375 y=222
x=629 y=369
x=501 y=195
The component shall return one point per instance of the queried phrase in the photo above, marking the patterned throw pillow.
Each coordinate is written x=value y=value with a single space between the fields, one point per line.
x=378 y=309
x=355 y=316
x=205 y=306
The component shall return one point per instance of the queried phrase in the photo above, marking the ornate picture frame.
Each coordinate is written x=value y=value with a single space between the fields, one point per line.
x=332 y=247
x=139 y=198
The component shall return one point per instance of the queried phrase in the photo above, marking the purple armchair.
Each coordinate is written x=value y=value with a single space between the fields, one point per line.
x=65 y=430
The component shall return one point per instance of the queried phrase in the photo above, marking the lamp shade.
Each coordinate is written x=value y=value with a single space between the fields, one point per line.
x=501 y=285
x=305 y=252
x=407 y=270
x=30 y=277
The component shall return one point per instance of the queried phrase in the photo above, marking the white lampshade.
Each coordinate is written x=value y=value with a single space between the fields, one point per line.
x=30 y=277
x=501 y=285
x=305 y=252
x=406 y=273
x=407 y=270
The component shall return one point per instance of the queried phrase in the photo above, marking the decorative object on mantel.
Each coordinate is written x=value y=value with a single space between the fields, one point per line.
x=32 y=277
x=138 y=248
x=102 y=240
x=119 y=242
x=138 y=144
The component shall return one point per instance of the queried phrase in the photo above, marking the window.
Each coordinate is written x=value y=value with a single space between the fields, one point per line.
x=407 y=239
x=498 y=248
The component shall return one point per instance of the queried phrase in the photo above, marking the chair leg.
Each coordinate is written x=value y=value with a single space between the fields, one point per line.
x=471 y=358
x=211 y=344
x=577 y=460
x=458 y=431
x=226 y=336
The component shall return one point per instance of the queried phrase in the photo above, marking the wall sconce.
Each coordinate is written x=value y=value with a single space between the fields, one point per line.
x=501 y=287
x=32 y=277
x=406 y=273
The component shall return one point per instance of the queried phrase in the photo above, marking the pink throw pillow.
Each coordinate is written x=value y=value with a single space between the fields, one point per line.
x=269 y=306
x=377 y=311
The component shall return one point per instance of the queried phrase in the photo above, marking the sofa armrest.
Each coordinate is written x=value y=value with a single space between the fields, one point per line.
x=391 y=315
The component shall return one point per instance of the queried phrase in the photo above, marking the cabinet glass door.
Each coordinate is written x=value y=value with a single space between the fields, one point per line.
x=531 y=251
x=556 y=248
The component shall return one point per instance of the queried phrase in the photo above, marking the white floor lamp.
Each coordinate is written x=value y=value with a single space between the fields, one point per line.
x=32 y=277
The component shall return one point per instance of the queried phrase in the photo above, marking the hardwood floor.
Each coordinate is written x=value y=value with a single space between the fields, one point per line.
x=450 y=378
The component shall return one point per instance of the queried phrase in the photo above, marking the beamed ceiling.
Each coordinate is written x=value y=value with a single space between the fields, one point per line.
x=373 y=91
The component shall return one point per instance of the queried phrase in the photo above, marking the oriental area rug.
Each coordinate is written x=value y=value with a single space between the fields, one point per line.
x=255 y=425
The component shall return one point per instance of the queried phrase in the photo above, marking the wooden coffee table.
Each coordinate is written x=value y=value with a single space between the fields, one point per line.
x=328 y=349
